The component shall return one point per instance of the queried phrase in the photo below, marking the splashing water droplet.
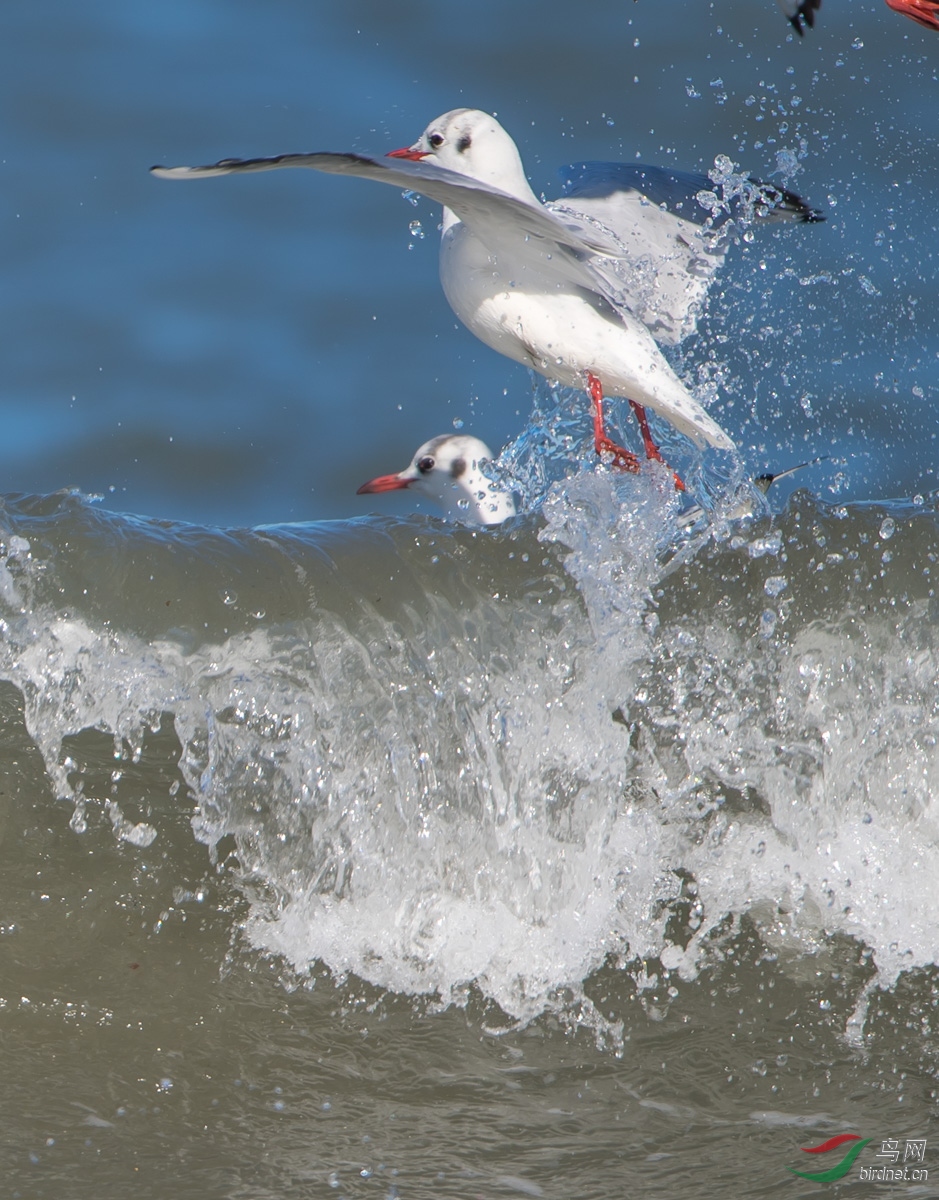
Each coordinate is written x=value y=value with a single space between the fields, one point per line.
x=775 y=584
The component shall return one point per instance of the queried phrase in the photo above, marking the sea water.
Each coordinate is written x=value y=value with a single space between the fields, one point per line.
x=359 y=855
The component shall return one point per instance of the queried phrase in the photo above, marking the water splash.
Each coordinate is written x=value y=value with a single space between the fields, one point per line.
x=452 y=759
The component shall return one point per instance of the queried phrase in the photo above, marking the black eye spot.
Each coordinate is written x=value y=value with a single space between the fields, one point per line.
x=457 y=467
x=435 y=140
x=426 y=465
x=464 y=143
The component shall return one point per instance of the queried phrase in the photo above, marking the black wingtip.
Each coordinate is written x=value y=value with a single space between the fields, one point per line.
x=786 y=203
x=804 y=212
x=798 y=207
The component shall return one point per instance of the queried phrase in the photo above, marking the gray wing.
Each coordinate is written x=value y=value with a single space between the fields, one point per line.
x=564 y=247
x=674 y=230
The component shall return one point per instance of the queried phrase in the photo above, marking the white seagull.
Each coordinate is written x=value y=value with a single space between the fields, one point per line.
x=448 y=469
x=581 y=288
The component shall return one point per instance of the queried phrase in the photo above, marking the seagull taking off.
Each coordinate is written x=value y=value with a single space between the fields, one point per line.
x=582 y=288
x=448 y=469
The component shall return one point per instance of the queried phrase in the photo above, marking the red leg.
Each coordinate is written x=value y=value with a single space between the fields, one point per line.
x=622 y=459
x=603 y=445
x=652 y=450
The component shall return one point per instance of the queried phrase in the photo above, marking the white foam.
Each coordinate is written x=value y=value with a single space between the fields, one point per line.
x=503 y=793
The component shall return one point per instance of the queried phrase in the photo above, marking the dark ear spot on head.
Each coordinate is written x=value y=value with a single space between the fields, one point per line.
x=464 y=143
x=457 y=468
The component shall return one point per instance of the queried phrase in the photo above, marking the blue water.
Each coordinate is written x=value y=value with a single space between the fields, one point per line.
x=356 y=855
x=249 y=350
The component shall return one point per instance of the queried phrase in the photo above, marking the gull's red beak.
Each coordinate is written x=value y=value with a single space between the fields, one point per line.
x=383 y=483
x=410 y=152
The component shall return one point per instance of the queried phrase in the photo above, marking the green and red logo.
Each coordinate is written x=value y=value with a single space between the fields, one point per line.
x=840 y=1169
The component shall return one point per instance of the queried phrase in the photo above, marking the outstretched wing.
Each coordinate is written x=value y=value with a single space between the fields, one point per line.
x=500 y=219
x=637 y=236
x=673 y=230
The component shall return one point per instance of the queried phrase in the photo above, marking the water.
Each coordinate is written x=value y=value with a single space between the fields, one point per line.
x=356 y=855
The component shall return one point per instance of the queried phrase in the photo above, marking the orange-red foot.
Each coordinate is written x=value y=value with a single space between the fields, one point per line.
x=623 y=459
x=652 y=450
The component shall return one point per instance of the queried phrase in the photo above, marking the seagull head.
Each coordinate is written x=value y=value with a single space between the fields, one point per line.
x=473 y=143
x=448 y=469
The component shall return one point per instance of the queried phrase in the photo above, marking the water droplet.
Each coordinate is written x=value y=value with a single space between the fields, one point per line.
x=775 y=584
x=77 y=822
x=887 y=528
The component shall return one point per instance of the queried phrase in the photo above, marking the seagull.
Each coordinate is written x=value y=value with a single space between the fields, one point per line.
x=580 y=289
x=923 y=12
x=448 y=469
